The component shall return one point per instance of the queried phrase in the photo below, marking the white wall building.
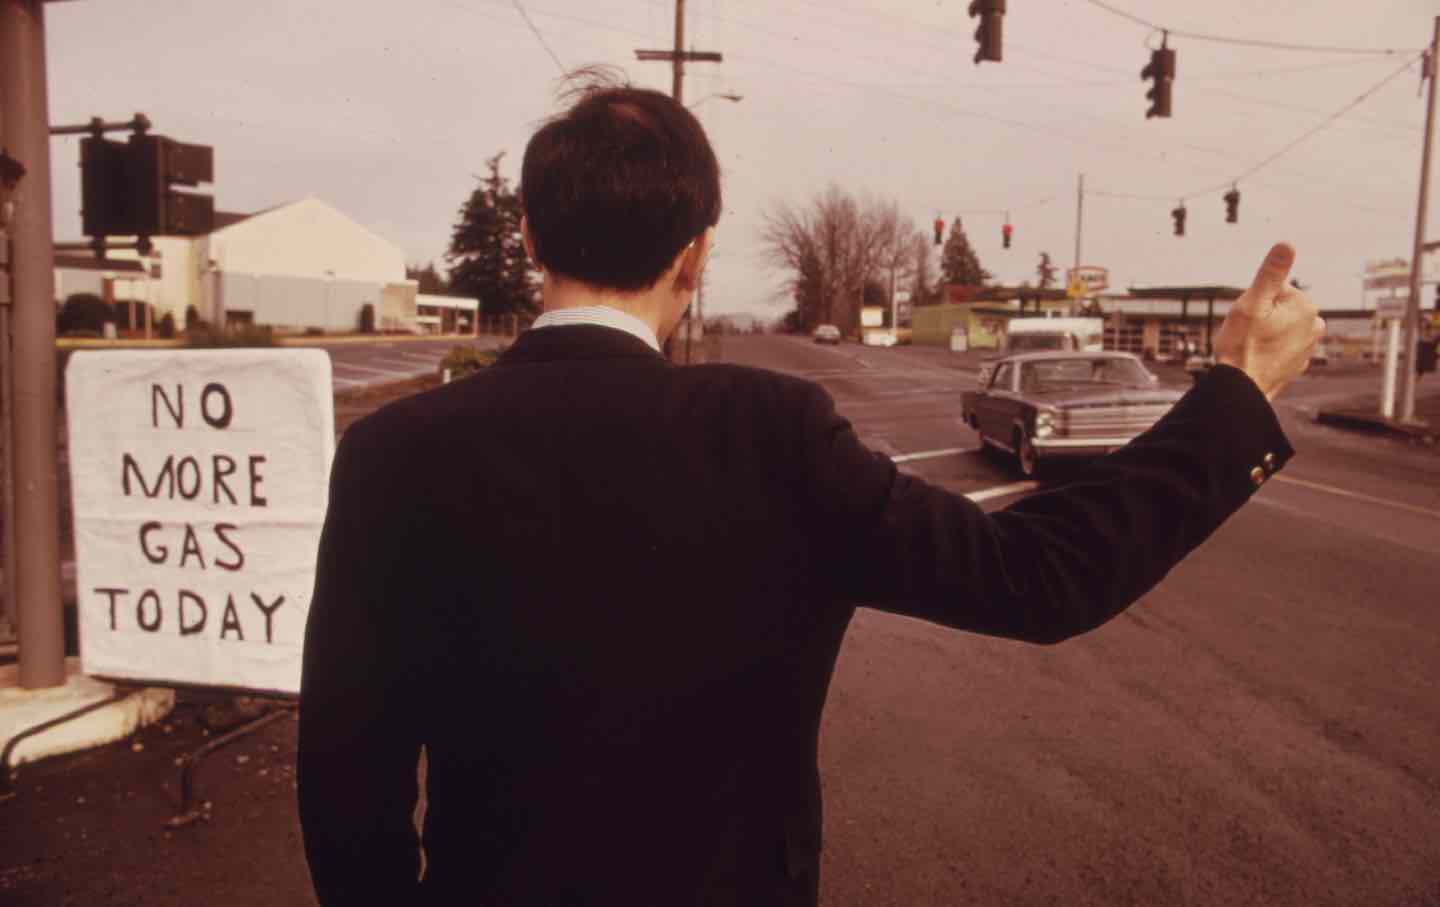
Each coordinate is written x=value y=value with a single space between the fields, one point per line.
x=297 y=266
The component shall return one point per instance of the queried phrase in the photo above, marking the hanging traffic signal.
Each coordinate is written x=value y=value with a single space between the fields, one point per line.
x=939 y=230
x=988 y=35
x=1161 y=71
x=1232 y=206
x=1179 y=215
x=1005 y=232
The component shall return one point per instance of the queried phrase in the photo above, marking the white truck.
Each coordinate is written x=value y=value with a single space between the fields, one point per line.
x=1033 y=334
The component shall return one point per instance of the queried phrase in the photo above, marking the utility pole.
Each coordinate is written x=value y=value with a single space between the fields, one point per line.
x=1412 y=307
x=1079 y=217
x=677 y=58
x=24 y=129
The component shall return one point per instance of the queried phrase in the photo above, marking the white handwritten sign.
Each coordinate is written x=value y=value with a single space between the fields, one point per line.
x=199 y=483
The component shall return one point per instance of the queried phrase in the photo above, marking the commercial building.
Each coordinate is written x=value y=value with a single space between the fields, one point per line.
x=297 y=267
x=1166 y=323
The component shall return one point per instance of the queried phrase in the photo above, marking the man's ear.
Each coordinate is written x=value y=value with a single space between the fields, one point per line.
x=529 y=243
x=693 y=258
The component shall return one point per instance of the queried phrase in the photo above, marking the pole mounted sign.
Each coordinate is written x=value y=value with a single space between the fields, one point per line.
x=199 y=483
x=1087 y=280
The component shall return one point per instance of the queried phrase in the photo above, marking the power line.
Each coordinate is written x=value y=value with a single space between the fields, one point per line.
x=541 y=38
x=959 y=111
x=1249 y=42
x=1324 y=123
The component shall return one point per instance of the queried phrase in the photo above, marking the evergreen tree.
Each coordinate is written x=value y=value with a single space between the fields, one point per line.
x=958 y=262
x=429 y=278
x=487 y=255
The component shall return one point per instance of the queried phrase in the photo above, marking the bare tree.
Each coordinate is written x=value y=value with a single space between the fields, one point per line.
x=830 y=247
x=923 y=270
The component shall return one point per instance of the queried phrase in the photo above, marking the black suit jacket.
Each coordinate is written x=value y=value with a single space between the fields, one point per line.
x=606 y=595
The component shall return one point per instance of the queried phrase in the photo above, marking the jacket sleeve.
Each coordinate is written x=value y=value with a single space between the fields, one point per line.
x=1057 y=563
x=358 y=745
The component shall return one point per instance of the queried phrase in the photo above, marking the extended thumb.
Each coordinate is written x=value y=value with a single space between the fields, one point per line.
x=1270 y=279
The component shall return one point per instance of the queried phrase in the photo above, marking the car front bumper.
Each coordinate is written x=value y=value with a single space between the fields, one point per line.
x=1077 y=447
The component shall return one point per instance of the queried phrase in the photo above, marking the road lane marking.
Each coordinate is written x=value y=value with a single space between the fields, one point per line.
x=1002 y=491
x=390 y=373
x=933 y=454
x=1355 y=495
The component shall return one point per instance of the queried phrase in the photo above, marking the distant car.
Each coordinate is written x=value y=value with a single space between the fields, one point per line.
x=1198 y=365
x=827 y=333
x=1045 y=406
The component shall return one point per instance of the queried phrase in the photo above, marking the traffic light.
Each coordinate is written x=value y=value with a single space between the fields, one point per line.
x=156 y=164
x=939 y=230
x=1178 y=214
x=1232 y=206
x=102 y=188
x=988 y=35
x=1005 y=232
x=126 y=188
x=1161 y=71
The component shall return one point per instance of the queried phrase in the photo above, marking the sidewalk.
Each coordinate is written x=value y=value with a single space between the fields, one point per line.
x=1362 y=413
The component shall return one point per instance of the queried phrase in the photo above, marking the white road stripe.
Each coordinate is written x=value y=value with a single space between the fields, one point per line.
x=932 y=454
x=1002 y=491
x=1355 y=495
x=391 y=373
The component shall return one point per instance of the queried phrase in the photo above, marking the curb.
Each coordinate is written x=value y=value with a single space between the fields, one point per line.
x=1362 y=420
x=21 y=710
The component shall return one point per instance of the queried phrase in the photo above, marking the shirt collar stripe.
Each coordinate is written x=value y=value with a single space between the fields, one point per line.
x=601 y=315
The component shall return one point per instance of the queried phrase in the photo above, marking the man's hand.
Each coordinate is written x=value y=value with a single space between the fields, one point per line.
x=1272 y=328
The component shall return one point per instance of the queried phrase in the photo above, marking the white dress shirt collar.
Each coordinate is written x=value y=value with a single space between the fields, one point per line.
x=602 y=315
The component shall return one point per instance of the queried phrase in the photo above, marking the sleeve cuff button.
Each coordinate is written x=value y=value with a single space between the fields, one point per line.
x=1257 y=476
x=1269 y=462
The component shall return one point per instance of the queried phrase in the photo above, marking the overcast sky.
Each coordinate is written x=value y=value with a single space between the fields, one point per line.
x=388 y=111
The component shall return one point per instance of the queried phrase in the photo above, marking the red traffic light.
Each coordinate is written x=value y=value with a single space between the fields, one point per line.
x=1005 y=233
x=939 y=230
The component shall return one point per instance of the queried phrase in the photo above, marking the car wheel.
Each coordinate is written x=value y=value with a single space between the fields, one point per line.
x=1026 y=455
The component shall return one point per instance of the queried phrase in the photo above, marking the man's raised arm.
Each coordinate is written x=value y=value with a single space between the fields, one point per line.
x=1066 y=560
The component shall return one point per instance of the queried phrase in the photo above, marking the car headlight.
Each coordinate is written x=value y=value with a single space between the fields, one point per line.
x=1044 y=425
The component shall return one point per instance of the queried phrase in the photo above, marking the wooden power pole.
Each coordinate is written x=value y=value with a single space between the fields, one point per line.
x=677 y=58
x=1412 y=307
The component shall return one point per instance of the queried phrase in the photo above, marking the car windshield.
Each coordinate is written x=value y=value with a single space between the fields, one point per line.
x=1107 y=370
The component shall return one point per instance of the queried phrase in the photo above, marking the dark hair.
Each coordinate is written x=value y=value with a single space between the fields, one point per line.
x=617 y=185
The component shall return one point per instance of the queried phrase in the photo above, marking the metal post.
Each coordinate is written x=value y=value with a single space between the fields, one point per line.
x=1210 y=326
x=677 y=86
x=1079 y=217
x=24 y=113
x=1392 y=361
x=7 y=437
x=1412 y=307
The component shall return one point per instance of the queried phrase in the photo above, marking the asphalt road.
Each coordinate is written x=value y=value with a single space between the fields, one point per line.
x=379 y=361
x=1261 y=729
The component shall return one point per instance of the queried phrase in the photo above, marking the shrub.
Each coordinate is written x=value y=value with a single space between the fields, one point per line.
x=83 y=312
x=192 y=317
x=466 y=360
x=239 y=335
x=166 y=327
x=367 y=318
